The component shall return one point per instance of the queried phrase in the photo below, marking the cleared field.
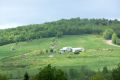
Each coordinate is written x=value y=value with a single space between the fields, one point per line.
x=27 y=55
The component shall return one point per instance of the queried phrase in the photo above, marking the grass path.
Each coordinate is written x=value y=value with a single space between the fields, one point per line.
x=109 y=42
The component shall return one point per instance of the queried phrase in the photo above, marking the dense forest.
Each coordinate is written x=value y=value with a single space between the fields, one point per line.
x=74 y=26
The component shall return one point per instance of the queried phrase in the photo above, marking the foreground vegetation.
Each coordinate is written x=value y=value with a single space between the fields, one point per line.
x=52 y=73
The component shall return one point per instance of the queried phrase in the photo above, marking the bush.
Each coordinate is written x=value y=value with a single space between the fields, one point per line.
x=97 y=76
x=118 y=41
x=73 y=74
x=85 y=73
x=114 y=38
x=51 y=50
x=105 y=70
x=3 y=77
x=116 y=73
x=108 y=34
x=106 y=73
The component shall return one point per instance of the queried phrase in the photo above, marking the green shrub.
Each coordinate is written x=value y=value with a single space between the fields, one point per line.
x=105 y=70
x=98 y=76
x=73 y=74
x=114 y=38
x=116 y=73
x=118 y=41
x=106 y=73
x=108 y=34
x=50 y=73
x=3 y=77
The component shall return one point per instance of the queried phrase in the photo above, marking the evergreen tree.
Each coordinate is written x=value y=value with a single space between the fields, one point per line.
x=26 y=76
x=105 y=70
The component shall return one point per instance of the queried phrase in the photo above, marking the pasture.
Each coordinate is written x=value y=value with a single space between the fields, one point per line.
x=30 y=56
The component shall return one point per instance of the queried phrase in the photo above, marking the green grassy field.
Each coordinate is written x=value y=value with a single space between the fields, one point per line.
x=27 y=56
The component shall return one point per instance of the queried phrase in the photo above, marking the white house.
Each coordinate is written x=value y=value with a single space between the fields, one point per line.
x=66 y=49
x=70 y=49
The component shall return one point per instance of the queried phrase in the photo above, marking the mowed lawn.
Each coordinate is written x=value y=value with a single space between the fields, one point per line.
x=27 y=54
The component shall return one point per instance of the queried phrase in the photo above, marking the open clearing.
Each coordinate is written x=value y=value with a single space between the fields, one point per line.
x=26 y=55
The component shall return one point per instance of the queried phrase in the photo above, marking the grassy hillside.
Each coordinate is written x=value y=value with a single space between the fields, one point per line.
x=86 y=41
x=17 y=58
x=27 y=55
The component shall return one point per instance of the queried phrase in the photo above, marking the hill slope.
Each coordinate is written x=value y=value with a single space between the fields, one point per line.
x=31 y=55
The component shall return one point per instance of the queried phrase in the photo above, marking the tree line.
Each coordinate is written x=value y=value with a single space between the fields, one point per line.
x=73 y=26
x=52 y=73
x=109 y=34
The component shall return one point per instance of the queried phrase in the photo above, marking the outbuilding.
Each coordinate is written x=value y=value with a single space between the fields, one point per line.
x=70 y=49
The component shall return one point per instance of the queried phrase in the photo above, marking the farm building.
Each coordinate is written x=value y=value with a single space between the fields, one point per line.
x=70 y=49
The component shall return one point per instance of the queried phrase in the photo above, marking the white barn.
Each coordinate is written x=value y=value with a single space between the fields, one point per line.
x=66 y=49
x=70 y=49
